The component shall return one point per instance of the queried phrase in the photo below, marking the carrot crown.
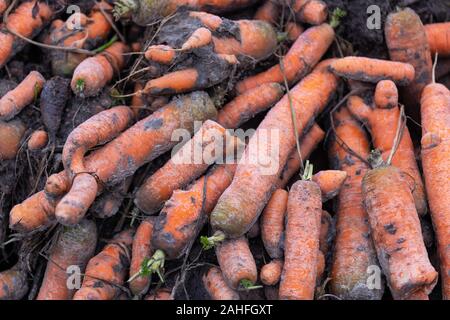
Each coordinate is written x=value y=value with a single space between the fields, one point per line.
x=307 y=172
x=210 y=242
x=150 y=266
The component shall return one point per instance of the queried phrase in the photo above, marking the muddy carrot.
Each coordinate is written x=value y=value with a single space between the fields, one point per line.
x=310 y=46
x=106 y=272
x=330 y=182
x=73 y=248
x=270 y=273
x=38 y=140
x=435 y=111
x=217 y=287
x=24 y=94
x=240 y=205
x=272 y=223
x=373 y=70
x=11 y=133
x=14 y=282
x=438 y=35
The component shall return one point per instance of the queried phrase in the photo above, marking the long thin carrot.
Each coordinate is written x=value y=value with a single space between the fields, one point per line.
x=14 y=282
x=353 y=248
x=11 y=133
x=15 y=100
x=107 y=270
x=300 y=59
x=396 y=231
x=216 y=286
x=373 y=70
x=27 y=19
x=438 y=35
x=435 y=110
x=73 y=248
x=382 y=123
x=240 y=205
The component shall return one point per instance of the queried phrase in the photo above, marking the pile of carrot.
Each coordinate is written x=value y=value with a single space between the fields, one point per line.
x=146 y=146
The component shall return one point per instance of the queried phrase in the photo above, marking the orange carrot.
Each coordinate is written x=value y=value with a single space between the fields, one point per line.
x=211 y=21
x=216 y=286
x=246 y=105
x=188 y=163
x=293 y=30
x=435 y=111
x=174 y=82
x=301 y=243
x=407 y=42
x=15 y=100
x=27 y=19
x=141 y=250
x=240 y=205
x=310 y=11
x=199 y=38
x=74 y=247
x=349 y=147
x=270 y=273
x=438 y=35
x=14 y=282
x=269 y=11
x=11 y=133
x=237 y=263
x=163 y=54
x=272 y=223
x=373 y=70
x=382 y=123
x=91 y=75
x=330 y=182
x=309 y=46
x=107 y=270
x=396 y=230
x=38 y=140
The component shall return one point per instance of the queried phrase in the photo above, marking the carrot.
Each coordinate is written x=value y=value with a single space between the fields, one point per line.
x=160 y=294
x=216 y=286
x=188 y=163
x=242 y=202
x=299 y=60
x=141 y=143
x=246 y=105
x=237 y=263
x=211 y=21
x=24 y=94
x=269 y=11
x=301 y=244
x=272 y=223
x=174 y=82
x=293 y=30
x=330 y=182
x=310 y=11
x=141 y=250
x=307 y=145
x=14 y=282
x=396 y=231
x=407 y=42
x=438 y=36
x=74 y=247
x=38 y=140
x=435 y=111
x=373 y=70
x=199 y=38
x=382 y=123
x=11 y=133
x=106 y=272
x=4 y=4
x=348 y=148
x=28 y=19
x=270 y=273
x=326 y=232
x=99 y=129
x=163 y=54
x=91 y=75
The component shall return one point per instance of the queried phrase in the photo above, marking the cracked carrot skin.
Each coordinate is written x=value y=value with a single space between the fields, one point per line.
x=303 y=55
x=11 y=133
x=310 y=11
x=353 y=249
x=107 y=270
x=270 y=273
x=240 y=205
x=91 y=75
x=373 y=70
x=187 y=164
x=24 y=94
x=438 y=36
x=121 y=157
x=75 y=246
x=246 y=105
x=382 y=121
x=186 y=212
x=236 y=261
x=216 y=286
x=435 y=110
x=141 y=249
x=330 y=182
x=27 y=19
x=272 y=223
x=14 y=282
x=396 y=232
x=301 y=244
